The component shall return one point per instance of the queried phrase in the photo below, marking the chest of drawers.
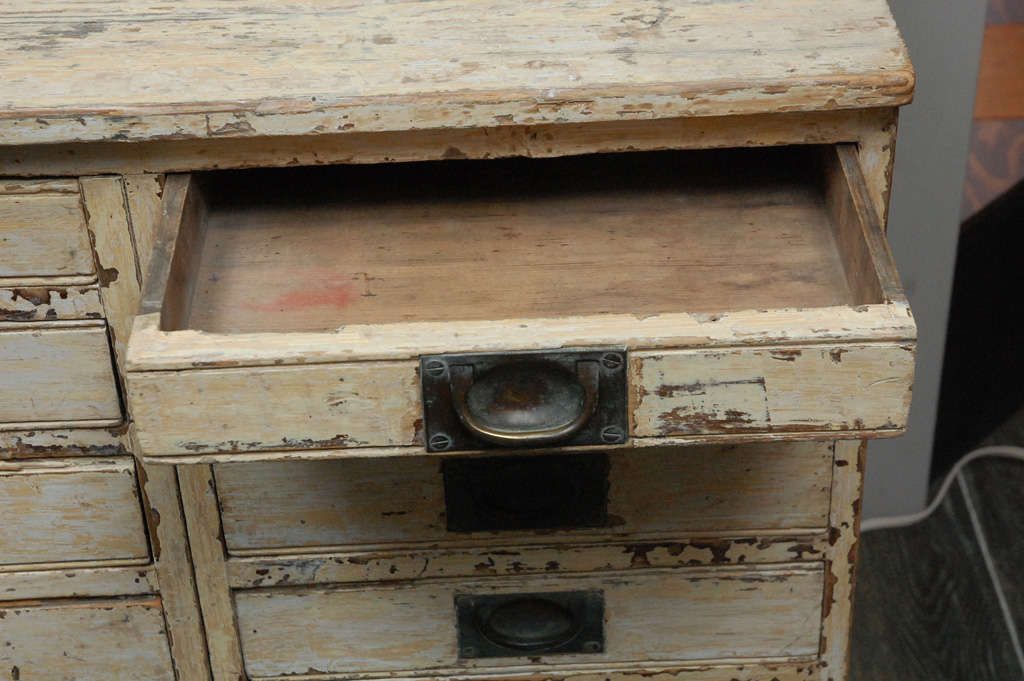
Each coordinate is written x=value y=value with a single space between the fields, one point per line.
x=443 y=340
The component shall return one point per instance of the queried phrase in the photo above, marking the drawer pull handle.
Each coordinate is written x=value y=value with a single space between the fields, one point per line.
x=530 y=624
x=525 y=403
x=527 y=624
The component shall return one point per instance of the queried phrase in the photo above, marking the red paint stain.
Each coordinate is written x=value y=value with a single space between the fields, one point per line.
x=329 y=294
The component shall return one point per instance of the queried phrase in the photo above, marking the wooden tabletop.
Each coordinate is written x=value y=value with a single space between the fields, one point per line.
x=81 y=70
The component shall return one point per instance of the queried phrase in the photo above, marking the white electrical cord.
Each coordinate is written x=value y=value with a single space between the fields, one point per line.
x=998 y=451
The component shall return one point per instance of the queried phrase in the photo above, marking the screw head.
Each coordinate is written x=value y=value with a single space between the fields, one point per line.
x=468 y=651
x=435 y=368
x=440 y=442
x=592 y=647
x=612 y=435
x=611 y=360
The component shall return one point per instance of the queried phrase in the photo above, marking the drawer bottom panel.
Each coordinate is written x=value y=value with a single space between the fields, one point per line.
x=84 y=640
x=657 y=616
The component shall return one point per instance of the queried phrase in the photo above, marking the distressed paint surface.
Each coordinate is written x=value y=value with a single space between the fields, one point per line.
x=412 y=627
x=293 y=69
x=70 y=510
x=48 y=303
x=56 y=374
x=667 y=493
x=63 y=442
x=831 y=387
x=42 y=234
x=113 y=240
x=500 y=560
x=78 y=582
x=872 y=129
x=274 y=408
x=44 y=640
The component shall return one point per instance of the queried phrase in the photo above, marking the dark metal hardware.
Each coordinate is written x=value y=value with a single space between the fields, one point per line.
x=526 y=492
x=512 y=625
x=529 y=399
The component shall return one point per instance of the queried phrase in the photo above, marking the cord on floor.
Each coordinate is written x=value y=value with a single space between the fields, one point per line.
x=997 y=451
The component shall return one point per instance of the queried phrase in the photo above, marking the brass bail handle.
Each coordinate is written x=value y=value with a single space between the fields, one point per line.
x=462 y=380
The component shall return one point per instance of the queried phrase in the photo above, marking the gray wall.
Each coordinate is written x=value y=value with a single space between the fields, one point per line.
x=944 y=38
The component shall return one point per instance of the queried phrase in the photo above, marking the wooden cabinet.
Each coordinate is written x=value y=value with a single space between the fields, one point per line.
x=276 y=254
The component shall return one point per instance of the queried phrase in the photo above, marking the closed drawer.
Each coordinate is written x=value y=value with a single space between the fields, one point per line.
x=42 y=230
x=673 y=492
x=85 y=640
x=70 y=510
x=752 y=290
x=54 y=373
x=645 y=617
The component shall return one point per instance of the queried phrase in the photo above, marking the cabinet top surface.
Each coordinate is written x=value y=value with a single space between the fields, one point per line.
x=136 y=70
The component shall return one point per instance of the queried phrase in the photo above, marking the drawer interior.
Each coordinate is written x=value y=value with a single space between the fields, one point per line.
x=314 y=249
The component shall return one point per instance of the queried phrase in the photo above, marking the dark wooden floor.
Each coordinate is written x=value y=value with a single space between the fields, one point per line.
x=928 y=601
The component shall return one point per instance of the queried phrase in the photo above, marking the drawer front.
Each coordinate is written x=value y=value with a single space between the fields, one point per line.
x=775 y=314
x=651 y=616
x=672 y=491
x=42 y=230
x=88 y=640
x=57 y=374
x=70 y=510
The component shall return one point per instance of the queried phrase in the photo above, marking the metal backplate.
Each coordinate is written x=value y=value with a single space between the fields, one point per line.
x=526 y=492
x=530 y=624
x=445 y=432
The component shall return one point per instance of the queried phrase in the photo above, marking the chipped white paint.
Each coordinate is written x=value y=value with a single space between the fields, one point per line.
x=650 y=616
x=667 y=493
x=46 y=303
x=42 y=234
x=818 y=387
x=56 y=372
x=78 y=582
x=70 y=510
x=44 y=640
x=276 y=407
x=294 y=69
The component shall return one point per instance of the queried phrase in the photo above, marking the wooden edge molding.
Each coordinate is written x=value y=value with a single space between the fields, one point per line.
x=399 y=564
x=78 y=582
x=152 y=349
x=872 y=129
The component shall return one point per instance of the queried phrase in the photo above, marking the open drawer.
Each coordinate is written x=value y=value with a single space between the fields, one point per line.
x=750 y=294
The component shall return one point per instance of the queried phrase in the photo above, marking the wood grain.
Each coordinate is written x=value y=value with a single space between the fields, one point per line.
x=70 y=510
x=342 y=629
x=126 y=640
x=173 y=558
x=42 y=234
x=55 y=373
x=63 y=442
x=206 y=544
x=295 y=69
x=920 y=588
x=777 y=389
x=667 y=493
x=90 y=582
x=642 y=234
x=275 y=408
x=496 y=559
